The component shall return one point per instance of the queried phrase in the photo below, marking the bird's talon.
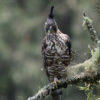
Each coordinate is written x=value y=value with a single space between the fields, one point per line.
x=56 y=83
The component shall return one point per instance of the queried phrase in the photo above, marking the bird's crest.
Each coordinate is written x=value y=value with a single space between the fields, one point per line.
x=51 y=15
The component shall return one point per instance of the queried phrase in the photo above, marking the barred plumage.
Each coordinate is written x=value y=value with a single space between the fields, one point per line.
x=56 y=50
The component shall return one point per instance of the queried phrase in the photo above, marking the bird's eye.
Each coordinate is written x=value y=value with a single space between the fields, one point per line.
x=54 y=28
x=47 y=27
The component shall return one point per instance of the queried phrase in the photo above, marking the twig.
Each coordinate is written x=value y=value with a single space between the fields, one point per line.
x=87 y=22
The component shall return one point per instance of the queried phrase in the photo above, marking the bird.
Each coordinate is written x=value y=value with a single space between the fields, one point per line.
x=56 y=53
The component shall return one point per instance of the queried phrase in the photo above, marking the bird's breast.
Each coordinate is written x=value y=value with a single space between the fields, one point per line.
x=55 y=45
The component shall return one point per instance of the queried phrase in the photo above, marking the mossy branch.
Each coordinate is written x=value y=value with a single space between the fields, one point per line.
x=86 y=72
x=87 y=22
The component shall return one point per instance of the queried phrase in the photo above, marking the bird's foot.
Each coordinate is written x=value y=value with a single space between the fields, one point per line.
x=56 y=82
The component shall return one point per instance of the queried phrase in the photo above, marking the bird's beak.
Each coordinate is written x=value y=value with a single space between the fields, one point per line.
x=50 y=29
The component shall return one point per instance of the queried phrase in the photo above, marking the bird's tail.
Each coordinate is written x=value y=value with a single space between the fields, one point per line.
x=56 y=94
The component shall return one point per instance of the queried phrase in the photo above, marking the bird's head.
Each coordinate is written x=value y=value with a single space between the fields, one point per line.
x=50 y=24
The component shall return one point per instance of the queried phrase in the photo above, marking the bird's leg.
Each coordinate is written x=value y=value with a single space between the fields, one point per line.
x=56 y=81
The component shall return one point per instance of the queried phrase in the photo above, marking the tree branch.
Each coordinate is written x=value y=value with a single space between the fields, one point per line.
x=88 y=71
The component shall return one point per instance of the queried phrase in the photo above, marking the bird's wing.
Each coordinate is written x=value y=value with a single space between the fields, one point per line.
x=67 y=40
x=44 y=45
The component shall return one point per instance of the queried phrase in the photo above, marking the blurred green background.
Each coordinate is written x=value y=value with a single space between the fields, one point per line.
x=21 y=33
